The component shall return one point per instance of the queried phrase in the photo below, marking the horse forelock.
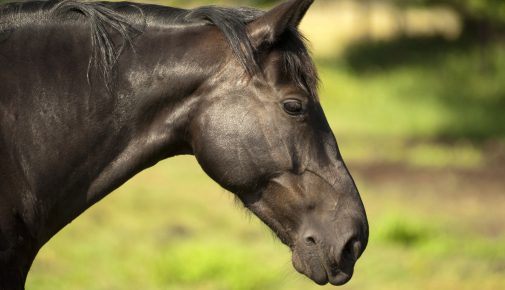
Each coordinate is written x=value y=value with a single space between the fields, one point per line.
x=296 y=62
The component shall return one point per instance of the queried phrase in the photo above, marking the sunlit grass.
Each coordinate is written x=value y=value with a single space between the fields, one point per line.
x=455 y=97
x=173 y=228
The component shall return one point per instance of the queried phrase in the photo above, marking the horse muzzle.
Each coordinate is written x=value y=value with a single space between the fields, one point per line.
x=329 y=257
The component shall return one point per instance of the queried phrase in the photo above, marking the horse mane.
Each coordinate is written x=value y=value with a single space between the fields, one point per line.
x=108 y=20
x=102 y=20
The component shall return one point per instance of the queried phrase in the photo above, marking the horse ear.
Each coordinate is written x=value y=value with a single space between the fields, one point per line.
x=268 y=27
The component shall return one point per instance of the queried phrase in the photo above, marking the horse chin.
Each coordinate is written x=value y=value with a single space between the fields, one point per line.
x=315 y=269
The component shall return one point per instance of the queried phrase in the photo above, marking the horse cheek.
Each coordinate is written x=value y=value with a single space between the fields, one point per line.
x=229 y=147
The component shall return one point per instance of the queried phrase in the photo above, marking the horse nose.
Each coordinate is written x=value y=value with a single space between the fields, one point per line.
x=348 y=242
x=352 y=250
x=339 y=249
x=353 y=242
x=345 y=251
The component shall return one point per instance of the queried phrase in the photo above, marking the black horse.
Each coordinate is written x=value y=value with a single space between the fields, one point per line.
x=93 y=93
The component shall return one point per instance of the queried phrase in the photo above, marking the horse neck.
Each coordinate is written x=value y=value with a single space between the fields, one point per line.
x=157 y=89
x=161 y=82
x=166 y=74
x=94 y=139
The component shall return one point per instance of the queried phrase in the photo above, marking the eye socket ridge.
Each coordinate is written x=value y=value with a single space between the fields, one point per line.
x=293 y=107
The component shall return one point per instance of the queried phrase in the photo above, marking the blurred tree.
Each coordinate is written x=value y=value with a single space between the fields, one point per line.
x=489 y=11
x=493 y=10
x=483 y=21
x=263 y=2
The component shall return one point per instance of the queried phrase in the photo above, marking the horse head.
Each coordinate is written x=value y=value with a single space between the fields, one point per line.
x=262 y=134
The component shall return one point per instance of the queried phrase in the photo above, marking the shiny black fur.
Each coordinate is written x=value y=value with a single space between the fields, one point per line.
x=93 y=93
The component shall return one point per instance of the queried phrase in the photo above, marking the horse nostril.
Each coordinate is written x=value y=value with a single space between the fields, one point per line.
x=309 y=239
x=352 y=249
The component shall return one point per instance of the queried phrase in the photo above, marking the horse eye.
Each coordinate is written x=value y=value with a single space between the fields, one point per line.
x=293 y=107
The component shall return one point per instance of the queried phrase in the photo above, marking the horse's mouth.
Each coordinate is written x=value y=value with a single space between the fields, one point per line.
x=320 y=271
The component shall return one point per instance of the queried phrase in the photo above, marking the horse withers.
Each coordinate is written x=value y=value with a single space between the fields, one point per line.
x=93 y=93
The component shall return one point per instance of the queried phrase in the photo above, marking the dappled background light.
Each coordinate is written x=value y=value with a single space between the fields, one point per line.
x=415 y=94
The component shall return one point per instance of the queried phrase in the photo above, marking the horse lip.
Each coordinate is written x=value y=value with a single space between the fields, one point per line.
x=336 y=277
x=322 y=281
x=320 y=277
x=340 y=278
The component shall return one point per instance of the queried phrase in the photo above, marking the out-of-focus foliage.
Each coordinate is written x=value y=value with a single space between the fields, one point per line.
x=482 y=9
x=490 y=10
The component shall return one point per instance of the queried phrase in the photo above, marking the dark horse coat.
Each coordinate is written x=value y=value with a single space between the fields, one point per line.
x=93 y=93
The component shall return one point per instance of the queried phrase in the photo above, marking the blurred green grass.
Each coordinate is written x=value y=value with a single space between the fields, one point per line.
x=171 y=227
x=428 y=105
x=437 y=90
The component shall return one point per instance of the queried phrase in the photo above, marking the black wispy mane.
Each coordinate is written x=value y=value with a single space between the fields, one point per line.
x=103 y=23
x=128 y=20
